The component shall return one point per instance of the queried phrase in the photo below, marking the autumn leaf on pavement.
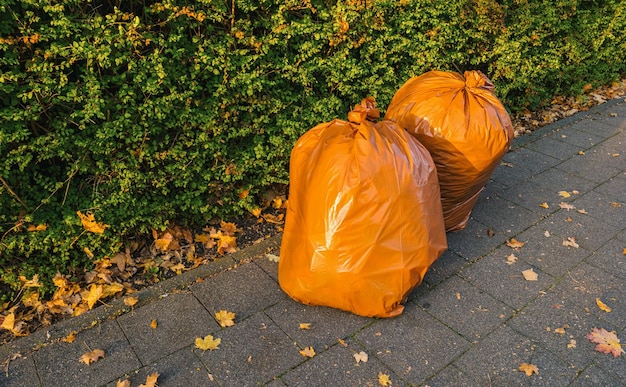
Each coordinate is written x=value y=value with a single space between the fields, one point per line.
x=384 y=380
x=10 y=324
x=123 y=383
x=360 y=357
x=514 y=243
x=92 y=295
x=208 y=342
x=308 y=352
x=608 y=342
x=544 y=205
x=564 y=194
x=511 y=259
x=70 y=338
x=92 y=356
x=272 y=257
x=305 y=326
x=529 y=369
x=530 y=275
x=603 y=306
x=131 y=301
x=90 y=224
x=154 y=324
x=566 y=206
x=225 y=318
x=151 y=380
x=570 y=242
x=226 y=244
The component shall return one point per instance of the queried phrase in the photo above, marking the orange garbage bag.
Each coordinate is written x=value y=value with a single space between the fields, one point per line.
x=459 y=119
x=364 y=220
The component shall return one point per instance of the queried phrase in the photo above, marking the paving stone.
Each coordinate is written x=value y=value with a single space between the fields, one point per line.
x=557 y=180
x=614 y=188
x=506 y=350
x=58 y=364
x=547 y=252
x=414 y=345
x=475 y=241
x=243 y=290
x=595 y=376
x=503 y=216
x=529 y=159
x=447 y=265
x=181 y=368
x=505 y=281
x=584 y=284
x=492 y=188
x=540 y=320
x=275 y=383
x=605 y=208
x=180 y=319
x=20 y=371
x=555 y=148
x=328 y=325
x=338 y=367
x=509 y=174
x=593 y=165
x=604 y=124
x=250 y=353
x=575 y=135
x=465 y=308
x=610 y=257
x=530 y=195
x=613 y=149
x=269 y=267
x=451 y=376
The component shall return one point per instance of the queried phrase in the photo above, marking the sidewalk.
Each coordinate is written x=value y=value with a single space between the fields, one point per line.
x=472 y=322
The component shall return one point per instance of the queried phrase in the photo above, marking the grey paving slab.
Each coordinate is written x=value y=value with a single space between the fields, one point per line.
x=532 y=196
x=503 y=216
x=475 y=241
x=607 y=208
x=610 y=257
x=554 y=148
x=594 y=165
x=604 y=123
x=180 y=319
x=252 y=352
x=614 y=188
x=595 y=376
x=530 y=159
x=446 y=266
x=338 y=367
x=451 y=376
x=243 y=290
x=181 y=368
x=20 y=371
x=327 y=325
x=58 y=364
x=557 y=180
x=509 y=174
x=576 y=136
x=504 y=281
x=543 y=248
x=414 y=345
x=465 y=308
x=503 y=352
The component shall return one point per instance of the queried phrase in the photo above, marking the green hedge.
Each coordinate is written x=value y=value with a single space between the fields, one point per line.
x=145 y=112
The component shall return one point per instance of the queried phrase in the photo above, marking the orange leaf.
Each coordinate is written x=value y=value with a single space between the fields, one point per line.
x=514 y=243
x=131 y=301
x=153 y=324
x=603 y=306
x=70 y=338
x=92 y=356
x=151 y=380
x=163 y=243
x=123 y=383
x=226 y=244
x=39 y=227
x=529 y=369
x=90 y=224
x=304 y=326
x=608 y=342
x=308 y=352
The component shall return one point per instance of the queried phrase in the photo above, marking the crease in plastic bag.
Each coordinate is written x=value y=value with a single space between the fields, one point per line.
x=464 y=126
x=364 y=220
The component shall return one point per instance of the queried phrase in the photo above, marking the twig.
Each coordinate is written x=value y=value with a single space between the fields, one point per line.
x=6 y=185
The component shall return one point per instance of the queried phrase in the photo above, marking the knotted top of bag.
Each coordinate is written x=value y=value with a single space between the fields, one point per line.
x=366 y=111
x=476 y=79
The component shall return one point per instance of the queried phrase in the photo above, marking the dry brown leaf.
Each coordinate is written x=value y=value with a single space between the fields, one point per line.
x=570 y=242
x=530 y=275
x=603 y=306
x=514 y=243
x=163 y=243
x=272 y=257
x=384 y=380
x=70 y=338
x=225 y=318
x=308 y=352
x=529 y=369
x=360 y=357
x=582 y=211
x=131 y=300
x=123 y=383
x=226 y=244
x=305 y=326
x=564 y=194
x=208 y=343
x=608 y=342
x=151 y=380
x=511 y=259
x=571 y=344
x=566 y=206
x=560 y=330
x=92 y=356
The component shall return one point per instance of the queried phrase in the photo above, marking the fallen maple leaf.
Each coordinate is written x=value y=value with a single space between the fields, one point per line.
x=603 y=306
x=90 y=224
x=123 y=383
x=384 y=380
x=225 y=318
x=93 y=295
x=529 y=369
x=530 y=275
x=304 y=326
x=208 y=342
x=514 y=243
x=608 y=342
x=226 y=244
x=70 y=338
x=570 y=242
x=92 y=356
x=308 y=352
x=151 y=380
x=360 y=357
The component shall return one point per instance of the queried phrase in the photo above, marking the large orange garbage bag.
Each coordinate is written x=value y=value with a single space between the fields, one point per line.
x=459 y=119
x=364 y=220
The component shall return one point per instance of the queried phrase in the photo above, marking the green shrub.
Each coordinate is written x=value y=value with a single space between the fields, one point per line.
x=146 y=112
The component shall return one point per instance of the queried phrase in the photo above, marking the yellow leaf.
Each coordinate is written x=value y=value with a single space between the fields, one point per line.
x=544 y=205
x=308 y=352
x=111 y=289
x=529 y=369
x=163 y=243
x=30 y=283
x=153 y=324
x=305 y=326
x=384 y=380
x=208 y=343
x=277 y=202
x=70 y=338
x=226 y=244
x=530 y=275
x=88 y=252
x=514 y=243
x=178 y=268
x=564 y=194
x=131 y=301
x=123 y=383
x=256 y=212
x=603 y=306
x=572 y=344
x=608 y=342
x=9 y=322
x=151 y=380
x=560 y=330
x=39 y=227
x=93 y=295
x=90 y=224
x=225 y=318
x=360 y=357
x=92 y=356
